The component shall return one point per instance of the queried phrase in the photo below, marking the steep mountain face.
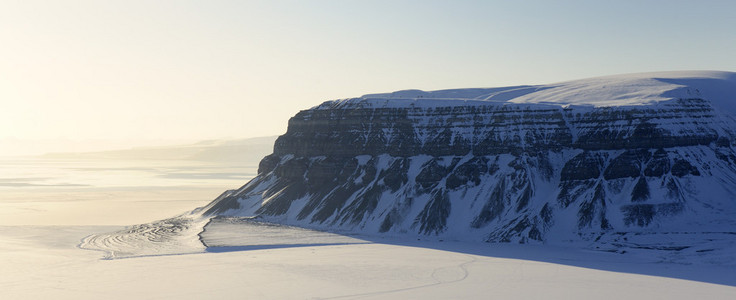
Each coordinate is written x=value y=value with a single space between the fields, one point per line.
x=589 y=160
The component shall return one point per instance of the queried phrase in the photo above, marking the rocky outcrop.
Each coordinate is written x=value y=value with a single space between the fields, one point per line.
x=496 y=171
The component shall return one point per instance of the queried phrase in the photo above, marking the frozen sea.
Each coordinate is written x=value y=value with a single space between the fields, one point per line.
x=60 y=219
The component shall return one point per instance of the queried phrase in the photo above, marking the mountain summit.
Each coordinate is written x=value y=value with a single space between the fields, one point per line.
x=641 y=161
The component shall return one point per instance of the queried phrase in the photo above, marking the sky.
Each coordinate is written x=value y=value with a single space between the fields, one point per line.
x=87 y=75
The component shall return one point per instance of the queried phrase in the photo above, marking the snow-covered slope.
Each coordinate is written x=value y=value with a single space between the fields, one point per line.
x=617 y=90
x=642 y=161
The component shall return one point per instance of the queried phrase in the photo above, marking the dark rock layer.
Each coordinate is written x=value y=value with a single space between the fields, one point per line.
x=499 y=172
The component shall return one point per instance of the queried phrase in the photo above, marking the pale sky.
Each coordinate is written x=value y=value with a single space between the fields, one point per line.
x=143 y=71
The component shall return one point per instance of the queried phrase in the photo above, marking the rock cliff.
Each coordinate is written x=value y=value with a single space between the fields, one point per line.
x=598 y=160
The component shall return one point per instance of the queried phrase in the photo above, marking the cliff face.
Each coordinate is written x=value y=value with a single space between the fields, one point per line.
x=499 y=170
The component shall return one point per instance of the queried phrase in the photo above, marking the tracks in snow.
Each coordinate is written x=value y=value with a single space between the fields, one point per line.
x=441 y=276
x=166 y=237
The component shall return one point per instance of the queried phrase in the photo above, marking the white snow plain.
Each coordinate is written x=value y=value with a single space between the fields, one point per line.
x=44 y=263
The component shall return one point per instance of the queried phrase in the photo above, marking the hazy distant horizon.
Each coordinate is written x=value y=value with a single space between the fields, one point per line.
x=126 y=185
x=14 y=147
x=184 y=71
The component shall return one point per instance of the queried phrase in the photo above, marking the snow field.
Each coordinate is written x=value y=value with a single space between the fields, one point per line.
x=43 y=263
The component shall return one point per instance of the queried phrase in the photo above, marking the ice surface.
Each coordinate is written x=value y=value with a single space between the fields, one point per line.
x=123 y=187
x=43 y=263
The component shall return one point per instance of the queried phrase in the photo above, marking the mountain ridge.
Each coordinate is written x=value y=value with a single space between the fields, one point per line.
x=505 y=171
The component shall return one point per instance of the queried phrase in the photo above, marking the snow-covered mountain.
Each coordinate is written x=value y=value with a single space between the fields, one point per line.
x=638 y=161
